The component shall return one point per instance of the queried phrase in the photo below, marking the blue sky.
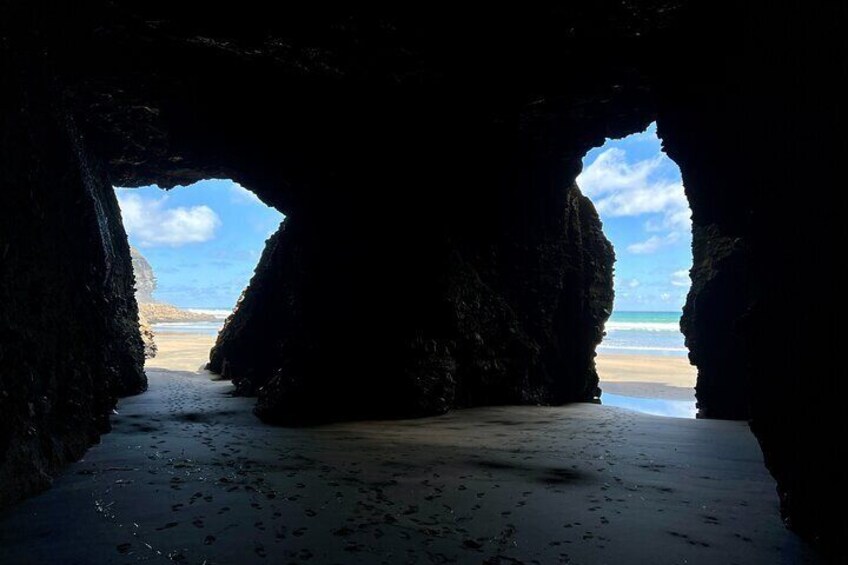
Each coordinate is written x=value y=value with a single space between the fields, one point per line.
x=203 y=240
x=639 y=194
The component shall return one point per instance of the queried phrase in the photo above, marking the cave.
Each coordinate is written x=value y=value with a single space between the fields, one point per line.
x=436 y=252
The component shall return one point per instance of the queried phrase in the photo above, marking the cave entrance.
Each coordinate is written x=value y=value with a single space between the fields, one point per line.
x=194 y=249
x=638 y=192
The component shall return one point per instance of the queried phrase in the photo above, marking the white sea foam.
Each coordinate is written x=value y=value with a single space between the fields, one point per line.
x=219 y=313
x=200 y=328
x=642 y=348
x=642 y=326
x=187 y=324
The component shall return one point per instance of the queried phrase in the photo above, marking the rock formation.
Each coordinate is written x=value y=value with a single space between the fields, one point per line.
x=150 y=310
x=147 y=337
x=145 y=279
x=145 y=284
x=454 y=338
x=159 y=312
x=436 y=252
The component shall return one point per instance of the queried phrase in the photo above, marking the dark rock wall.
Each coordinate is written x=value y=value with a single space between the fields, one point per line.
x=335 y=327
x=435 y=251
x=757 y=129
x=69 y=342
x=249 y=343
x=715 y=311
x=796 y=257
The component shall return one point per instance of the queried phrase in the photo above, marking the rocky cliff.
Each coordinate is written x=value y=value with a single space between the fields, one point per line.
x=145 y=284
x=151 y=312
x=145 y=279
x=159 y=312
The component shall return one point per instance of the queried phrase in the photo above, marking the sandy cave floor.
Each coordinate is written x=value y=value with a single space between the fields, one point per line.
x=189 y=475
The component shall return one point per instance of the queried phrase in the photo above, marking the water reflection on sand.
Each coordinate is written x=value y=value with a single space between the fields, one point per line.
x=655 y=406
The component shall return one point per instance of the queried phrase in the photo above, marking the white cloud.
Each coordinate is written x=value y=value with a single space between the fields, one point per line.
x=633 y=283
x=679 y=219
x=681 y=278
x=653 y=243
x=650 y=245
x=150 y=223
x=241 y=195
x=619 y=188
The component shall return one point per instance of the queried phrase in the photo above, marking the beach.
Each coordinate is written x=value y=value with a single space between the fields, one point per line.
x=185 y=345
x=189 y=475
x=646 y=376
x=181 y=351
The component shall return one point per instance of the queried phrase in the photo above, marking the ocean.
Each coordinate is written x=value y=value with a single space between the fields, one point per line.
x=200 y=328
x=644 y=333
x=630 y=333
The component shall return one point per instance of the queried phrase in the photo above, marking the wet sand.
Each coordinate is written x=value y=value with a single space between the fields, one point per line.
x=188 y=475
x=668 y=378
x=181 y=352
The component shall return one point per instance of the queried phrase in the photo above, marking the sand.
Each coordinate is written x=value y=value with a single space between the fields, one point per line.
x=181 y=352
x=670 y=378
x=188 y=475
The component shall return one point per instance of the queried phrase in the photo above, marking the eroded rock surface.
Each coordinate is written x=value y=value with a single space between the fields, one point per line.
x=147 y=336
x=145 y=278
x=160 y=312
x=69 y=339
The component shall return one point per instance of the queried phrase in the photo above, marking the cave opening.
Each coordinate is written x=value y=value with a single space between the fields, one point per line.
x=638 y=192
x=194 y=249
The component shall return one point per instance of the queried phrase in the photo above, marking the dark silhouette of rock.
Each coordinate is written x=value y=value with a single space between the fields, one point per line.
x=452 y=337
x=69 y=339
x=436 y=252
